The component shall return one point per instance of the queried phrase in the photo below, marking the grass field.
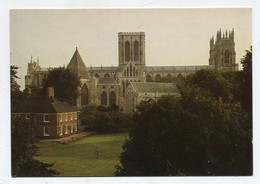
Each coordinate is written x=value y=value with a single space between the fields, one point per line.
x=78 y=158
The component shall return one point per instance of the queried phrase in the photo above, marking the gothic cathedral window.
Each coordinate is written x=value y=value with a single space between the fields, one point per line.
x=112 y=98
x=84 y=95
x=136 y=50
x=226 y=56
x=104 y=98
x=127 y=51
x=131 y=69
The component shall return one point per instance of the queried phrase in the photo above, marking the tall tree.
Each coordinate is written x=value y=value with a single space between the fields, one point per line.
x=65 y=84
x=201 y=133
x=214 y=82
x=23 y=148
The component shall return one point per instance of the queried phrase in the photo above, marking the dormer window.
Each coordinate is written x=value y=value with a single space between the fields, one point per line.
x=46 y=118
x=66 y=117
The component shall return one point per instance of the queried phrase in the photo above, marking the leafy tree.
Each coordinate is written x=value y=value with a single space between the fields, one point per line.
x=23 y=139
x=103 y=119
x=214 y=82
x=65 y=84
x=15 y=88
x=246 y=82
x=24 y=150
x=197 y=135
x=202 y=133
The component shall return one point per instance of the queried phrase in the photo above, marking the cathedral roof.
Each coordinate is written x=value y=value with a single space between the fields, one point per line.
x=177 y=68
x=77 y=65
x=152 y=87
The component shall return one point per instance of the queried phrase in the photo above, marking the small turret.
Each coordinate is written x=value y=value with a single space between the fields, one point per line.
x=219 y=35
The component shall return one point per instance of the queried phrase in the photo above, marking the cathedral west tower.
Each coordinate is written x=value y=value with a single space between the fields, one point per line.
x=222 y=51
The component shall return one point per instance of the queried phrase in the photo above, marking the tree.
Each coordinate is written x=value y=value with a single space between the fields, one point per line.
x=103 y=119
x=24 y=150
x=23 y=139
x=246 y=82
x=16 y=94
x=65 y=84
x=214 y=82
x=200 y=134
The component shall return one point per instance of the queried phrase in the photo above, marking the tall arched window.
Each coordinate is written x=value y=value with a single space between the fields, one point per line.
x=112 y=98
x=148 y=78
x=84 y=95
x=123 y=84
x=136 y=50
x=131 y=69
x=104 y=98
x=124 y=72
x=127 y=71
x=158 y=78
x=226 y=56
x=127 y=51
x=134 y=71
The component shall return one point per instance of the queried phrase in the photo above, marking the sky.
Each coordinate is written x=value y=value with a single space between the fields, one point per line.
x=174 y=37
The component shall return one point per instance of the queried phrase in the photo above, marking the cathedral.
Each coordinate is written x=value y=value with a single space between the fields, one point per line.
x=127 y=84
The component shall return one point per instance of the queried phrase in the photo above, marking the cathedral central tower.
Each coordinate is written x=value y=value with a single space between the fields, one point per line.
x=131 y=48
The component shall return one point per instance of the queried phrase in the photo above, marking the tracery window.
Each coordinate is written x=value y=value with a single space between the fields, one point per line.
x=127 y=51
x=136 y=51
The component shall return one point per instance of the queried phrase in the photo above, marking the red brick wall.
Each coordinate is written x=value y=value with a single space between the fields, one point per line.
x=53 y=124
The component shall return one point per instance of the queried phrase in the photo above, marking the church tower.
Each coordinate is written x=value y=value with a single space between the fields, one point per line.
x=131 y=48
x=222 y=53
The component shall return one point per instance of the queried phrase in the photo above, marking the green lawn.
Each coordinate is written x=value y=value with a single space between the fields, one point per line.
x=78 y=158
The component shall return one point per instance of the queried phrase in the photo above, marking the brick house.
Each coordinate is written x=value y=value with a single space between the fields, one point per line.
x=52 y=118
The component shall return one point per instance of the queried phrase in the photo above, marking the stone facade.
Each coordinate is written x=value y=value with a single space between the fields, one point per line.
x=222 y=53
x=108 y=85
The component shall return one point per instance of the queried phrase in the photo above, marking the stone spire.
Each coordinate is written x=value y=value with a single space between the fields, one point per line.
x=77 y=65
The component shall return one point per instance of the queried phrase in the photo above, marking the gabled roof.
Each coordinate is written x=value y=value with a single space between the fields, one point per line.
x=77 y=65
x=152 y=87
x=107 y=80
x=43 y=105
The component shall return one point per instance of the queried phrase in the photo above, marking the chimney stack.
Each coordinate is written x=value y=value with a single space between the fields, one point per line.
x=50 y=92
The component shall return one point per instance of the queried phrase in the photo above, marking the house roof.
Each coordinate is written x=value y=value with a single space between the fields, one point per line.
x=151 y=87
x=107 y=80
x=77 y=65
x=43 y=105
